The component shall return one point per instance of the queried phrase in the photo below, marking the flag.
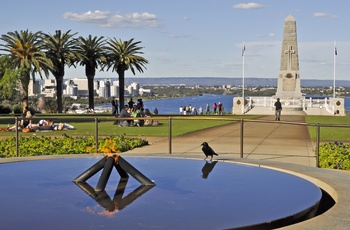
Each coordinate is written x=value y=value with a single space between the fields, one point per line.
x=243 y=50
x=335 y=50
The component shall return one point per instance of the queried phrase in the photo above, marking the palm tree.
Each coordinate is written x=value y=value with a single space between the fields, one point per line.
x=121 y=56
x=91 y=53
x=60 y=49
x=26 y=51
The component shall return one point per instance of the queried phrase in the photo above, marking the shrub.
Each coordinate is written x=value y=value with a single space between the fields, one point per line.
x=37 y=146
x=5 y=109
x=17 y=109
x=335 y=155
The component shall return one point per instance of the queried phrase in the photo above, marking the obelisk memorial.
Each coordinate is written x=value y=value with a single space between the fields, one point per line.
x=288 y=85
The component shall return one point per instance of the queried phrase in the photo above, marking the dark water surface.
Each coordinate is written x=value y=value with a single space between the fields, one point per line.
x=189 y=194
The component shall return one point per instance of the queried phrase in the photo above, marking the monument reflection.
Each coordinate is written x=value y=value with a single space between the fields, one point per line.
x=119 y=201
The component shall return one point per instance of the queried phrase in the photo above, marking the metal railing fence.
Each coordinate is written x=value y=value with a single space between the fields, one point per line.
x=317 y=127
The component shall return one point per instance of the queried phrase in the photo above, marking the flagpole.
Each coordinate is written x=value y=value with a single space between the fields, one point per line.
x=335 y=54
x=243 y=50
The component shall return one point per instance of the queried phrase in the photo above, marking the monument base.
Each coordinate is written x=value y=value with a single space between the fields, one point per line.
x=238 y=105
x=291 y=106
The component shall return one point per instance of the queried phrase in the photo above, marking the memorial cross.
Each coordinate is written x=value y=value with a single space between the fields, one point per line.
x=290 y=51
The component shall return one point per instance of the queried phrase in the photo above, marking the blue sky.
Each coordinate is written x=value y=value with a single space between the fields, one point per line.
x=200 y=38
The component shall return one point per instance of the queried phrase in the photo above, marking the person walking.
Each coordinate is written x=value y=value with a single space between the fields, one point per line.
x=207 y=109
x=181 y=110
x=220 y=108
x=200 y=110
x=278 y=109
x=214 y=108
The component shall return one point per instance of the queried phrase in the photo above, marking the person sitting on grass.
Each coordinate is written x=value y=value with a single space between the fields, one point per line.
x=125 y=113
x=24 y=123
x=136 y=113
x=43 y=125
x=142 y=114
x=148 y=114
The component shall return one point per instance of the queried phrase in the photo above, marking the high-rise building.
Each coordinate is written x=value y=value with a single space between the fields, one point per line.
x=115 y=89
x=71 y=88
x=136 y=88
x=34 y=87
x=82 y=85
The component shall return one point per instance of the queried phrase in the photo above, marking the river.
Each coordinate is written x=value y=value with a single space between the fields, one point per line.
x=172 y=105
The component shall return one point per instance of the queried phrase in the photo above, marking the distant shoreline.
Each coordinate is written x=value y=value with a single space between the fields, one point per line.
x=214 y=81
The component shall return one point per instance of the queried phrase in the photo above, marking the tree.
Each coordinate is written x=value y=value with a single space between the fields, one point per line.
x=91 y=55
x=26 y=52
x=121 y=56
x=8 y=78
x=60 y=49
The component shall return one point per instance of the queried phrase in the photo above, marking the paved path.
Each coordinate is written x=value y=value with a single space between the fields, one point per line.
x=267 y=140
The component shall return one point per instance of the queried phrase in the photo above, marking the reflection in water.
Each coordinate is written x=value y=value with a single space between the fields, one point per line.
x=119 y=202
x=207 y=168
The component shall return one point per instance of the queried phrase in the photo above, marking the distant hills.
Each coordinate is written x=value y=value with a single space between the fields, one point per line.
x=216 y=81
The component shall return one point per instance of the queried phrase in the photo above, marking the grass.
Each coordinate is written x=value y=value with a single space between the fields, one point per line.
x=106 y=128
x=328 y=134
x=86 y=126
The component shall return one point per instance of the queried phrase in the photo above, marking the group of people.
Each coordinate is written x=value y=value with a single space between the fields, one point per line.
x=136 y=110
x=26 y=124
x=190 y=110
x=218 y=109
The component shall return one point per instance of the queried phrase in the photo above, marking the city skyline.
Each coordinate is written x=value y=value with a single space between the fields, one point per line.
x=200 y=38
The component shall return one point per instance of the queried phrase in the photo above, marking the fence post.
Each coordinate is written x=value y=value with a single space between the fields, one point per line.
x=16 y=127
x=96 y=134
x=318 y=135
x=170 y=134
x=241 y=137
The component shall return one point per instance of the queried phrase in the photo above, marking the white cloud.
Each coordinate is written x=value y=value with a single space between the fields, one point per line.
x=250 y=5
x=321 y=14
x=134 y=20
x=106 y=19
x=92 y=17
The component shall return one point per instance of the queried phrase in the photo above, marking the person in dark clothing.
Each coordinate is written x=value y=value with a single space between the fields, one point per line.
x=131 y=103
x=278 y=109
x=114 y=106
x=125 y=113
x=139 y=103
x=155 y=111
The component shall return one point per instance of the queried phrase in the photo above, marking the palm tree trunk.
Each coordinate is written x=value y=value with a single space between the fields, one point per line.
x=59 y=92
x=25 y=86
x=121 y=89
x=25 y=99
x=91 y=92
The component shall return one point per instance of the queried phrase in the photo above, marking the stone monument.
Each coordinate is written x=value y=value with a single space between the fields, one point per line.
x=288 y=85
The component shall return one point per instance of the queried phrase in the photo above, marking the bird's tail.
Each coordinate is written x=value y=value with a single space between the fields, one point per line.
x=216 y=154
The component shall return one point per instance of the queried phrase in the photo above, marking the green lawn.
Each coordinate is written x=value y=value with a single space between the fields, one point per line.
x=86 y=126
x=330 y=134
x=106 y=127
